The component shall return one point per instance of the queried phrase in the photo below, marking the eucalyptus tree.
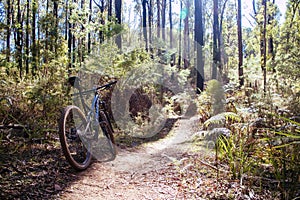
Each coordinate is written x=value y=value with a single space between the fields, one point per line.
x=221 y=48
x=158 y=18
x=8 y=29
x=163 y=18
x=199 y=45
x=144 y=21
x=180 y=37
x=150 y=19
x=186 y=35
x=19 y=38
x=34 y=48
x=271 y=22
x=216 y=32
x=118 y=13
x=263 y=45
x=171 y=23
x=89 y=43
x=27 y=38
x=240 y=44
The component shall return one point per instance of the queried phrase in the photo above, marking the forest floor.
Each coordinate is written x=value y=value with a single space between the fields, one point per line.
x=145 y=172
x=167 y=166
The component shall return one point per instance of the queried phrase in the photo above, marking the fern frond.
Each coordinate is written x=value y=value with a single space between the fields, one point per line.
x=222 y=118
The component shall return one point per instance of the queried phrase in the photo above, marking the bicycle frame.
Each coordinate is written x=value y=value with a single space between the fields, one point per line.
x=96 y=107
x=87 y=122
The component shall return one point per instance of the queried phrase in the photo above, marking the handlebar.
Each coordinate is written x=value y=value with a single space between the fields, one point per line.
x=106 y=85
x=103 y=87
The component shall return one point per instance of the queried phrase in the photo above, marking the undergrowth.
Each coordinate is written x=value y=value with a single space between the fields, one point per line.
x=33 y=103
x=263 y=147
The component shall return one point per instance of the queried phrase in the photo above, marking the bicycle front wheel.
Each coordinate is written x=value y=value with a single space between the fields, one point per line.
x=72 y=125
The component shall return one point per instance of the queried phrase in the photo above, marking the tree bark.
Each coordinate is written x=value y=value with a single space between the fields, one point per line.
x=27 y=38
x=186 y=36
x=150 y=20
x=45 y=55
x=240 y=44
x=199 y=45
x=34 y=46
x=221 y=45
x=109 y=9
x=263 y=45
x=144 y=2
x=89 y=33
x=8 y=26
x=18 y=39
x=70 y=38
x=216 y=50
x=158 y=18
x=180 y=36
x=55 y=35
x=171 y=24
x=118 y=10
x=163 y=19
x=81 y=40
x=271 y=51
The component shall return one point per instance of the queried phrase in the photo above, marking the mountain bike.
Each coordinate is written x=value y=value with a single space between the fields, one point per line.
x=82 y=127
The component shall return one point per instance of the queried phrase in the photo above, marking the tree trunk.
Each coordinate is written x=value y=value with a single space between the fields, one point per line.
x=240 y=44
x=75 y=40
x=186 y=37
x=216 y=50
x=19 y=36
x=271 y=51
x=38 y=52
x=46 y=37
x=89 y=33
x=118 y=9
x=150 y=21
x=199 y=45
x=73 y=45
x=263 y=45
x=55 y=35
x=171 y=24
x=144 y=2
x=70 y=37
x=158 y=18
x=163 y=19
x=27 y=38
x=221 y=47
x=83 y=39
x=180 y=36
x=109 y=9
x=8 y=24
x=34 y=46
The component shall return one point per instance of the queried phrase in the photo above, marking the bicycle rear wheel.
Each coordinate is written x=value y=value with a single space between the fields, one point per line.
x=104 y=149
x=72 y=125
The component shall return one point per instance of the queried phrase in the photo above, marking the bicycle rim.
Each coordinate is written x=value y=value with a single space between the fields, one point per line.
x=73 y=124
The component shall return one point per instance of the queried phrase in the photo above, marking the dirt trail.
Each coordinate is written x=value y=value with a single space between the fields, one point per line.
x=134 y=174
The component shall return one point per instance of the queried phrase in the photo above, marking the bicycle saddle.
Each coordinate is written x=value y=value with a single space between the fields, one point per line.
x=74 y=81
